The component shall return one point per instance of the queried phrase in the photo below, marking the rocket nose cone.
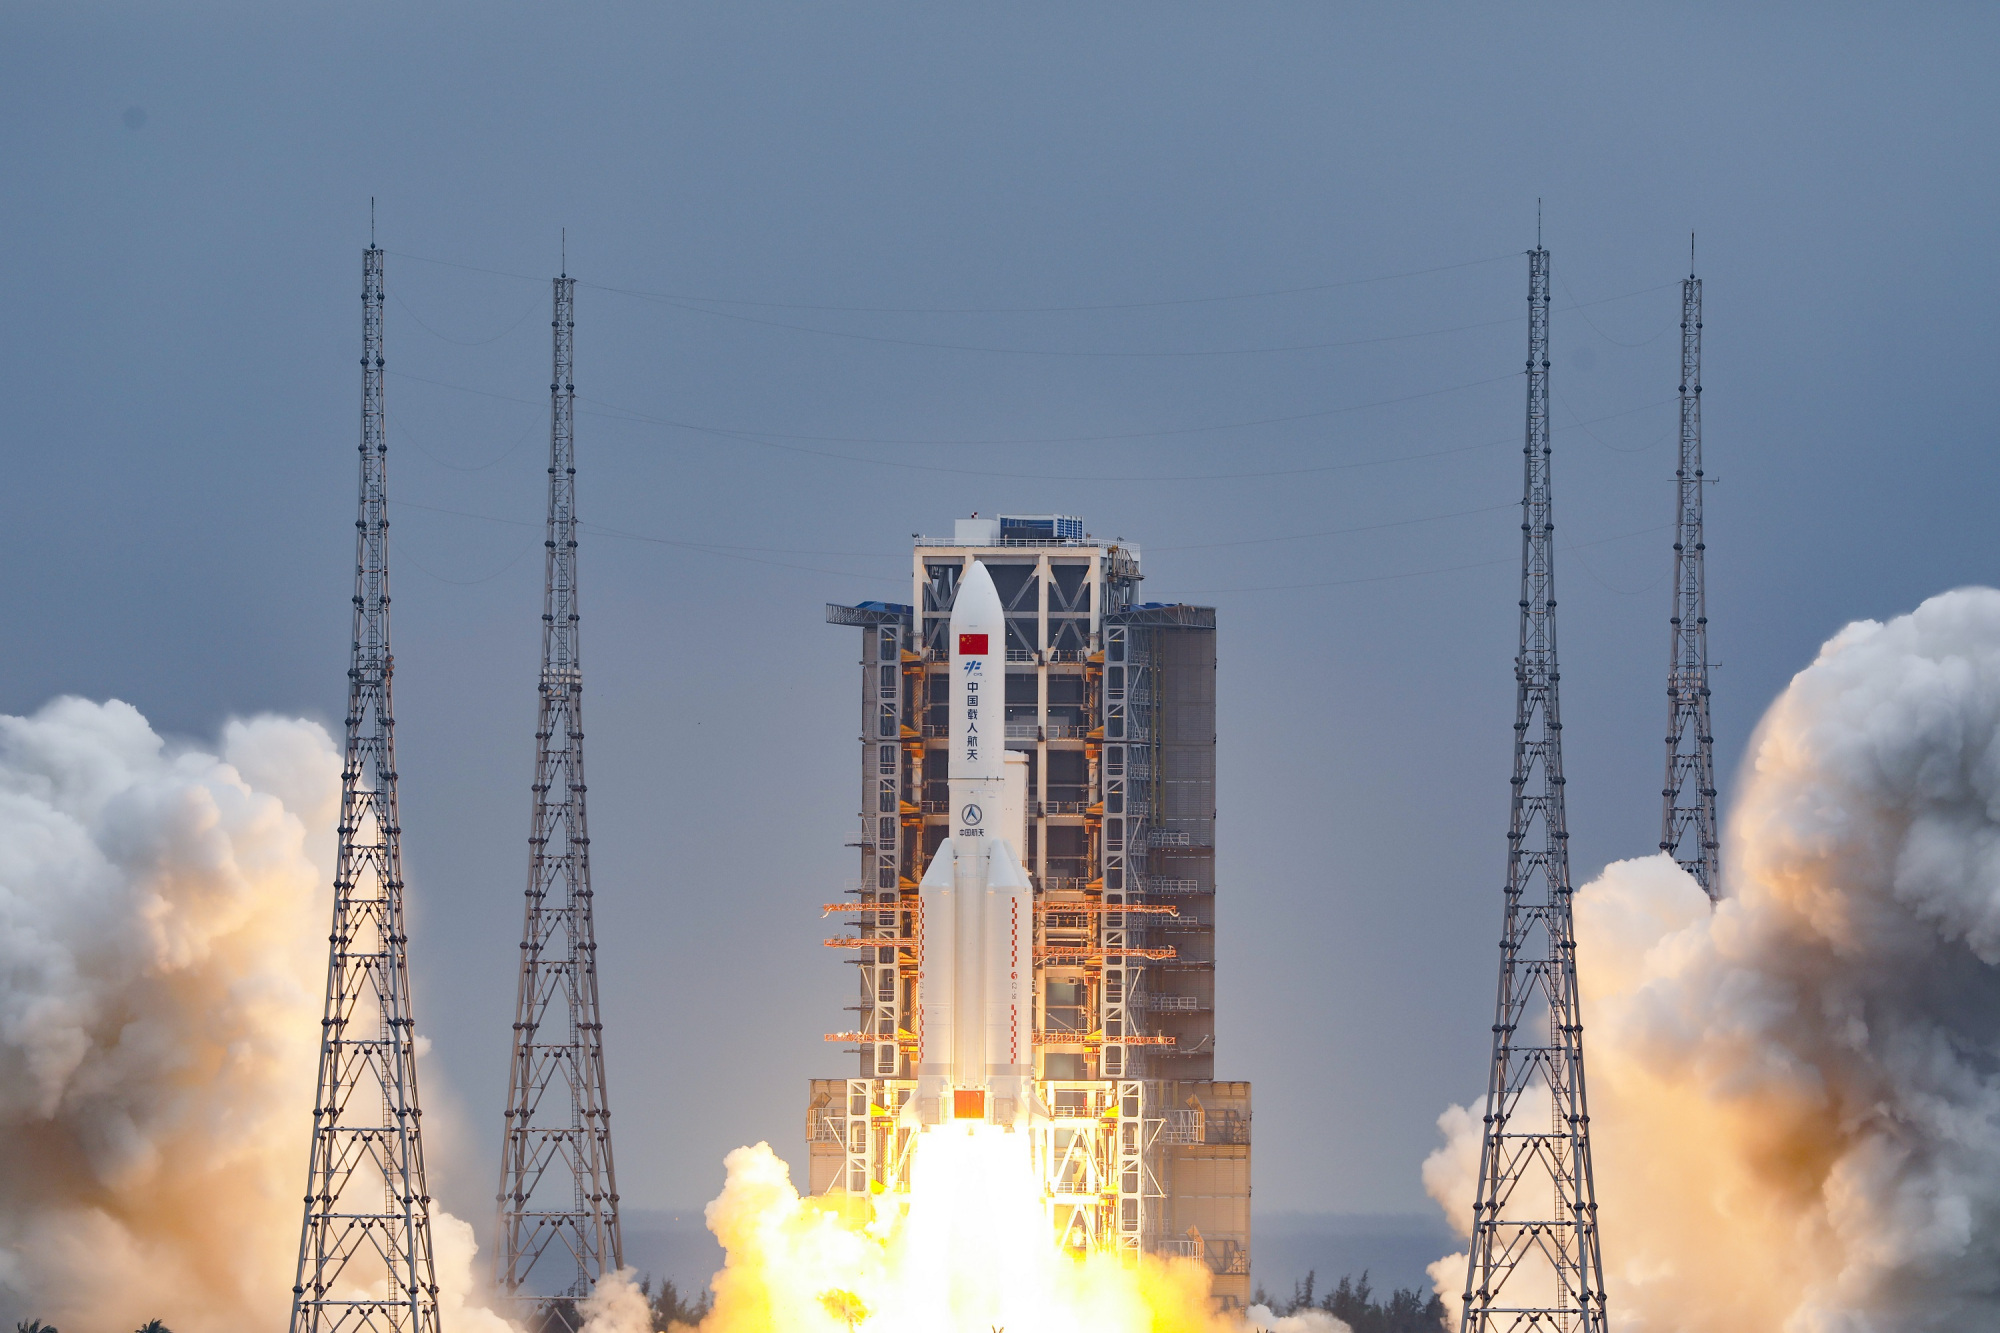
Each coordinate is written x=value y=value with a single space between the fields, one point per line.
x=977 y=598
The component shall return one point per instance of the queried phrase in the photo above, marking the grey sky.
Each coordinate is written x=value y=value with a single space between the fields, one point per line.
x=185 y=197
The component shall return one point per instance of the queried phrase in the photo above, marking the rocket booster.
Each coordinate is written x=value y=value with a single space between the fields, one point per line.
x=975 y=975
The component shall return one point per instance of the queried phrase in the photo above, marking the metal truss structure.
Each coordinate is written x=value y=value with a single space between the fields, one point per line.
x=1535 y=1262
x=1131 y=734
x=1139 y=1149
x=558 y=1195
x=365 y=1249
x=1688 y=829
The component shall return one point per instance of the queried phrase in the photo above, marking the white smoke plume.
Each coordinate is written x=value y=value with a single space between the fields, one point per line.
x=163 y=918
x=1260 y=1319
x=1795 y=1100
x=617 y=1304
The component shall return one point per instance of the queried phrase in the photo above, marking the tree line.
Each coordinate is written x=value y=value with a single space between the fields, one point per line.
x=668 y=1306
x=1405 y=1310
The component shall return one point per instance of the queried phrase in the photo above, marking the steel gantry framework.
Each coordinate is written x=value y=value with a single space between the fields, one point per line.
x=365 y=1249
x=1535 y=1263
x=1688 y=830
x=558 y=1195
x=1140 y=1150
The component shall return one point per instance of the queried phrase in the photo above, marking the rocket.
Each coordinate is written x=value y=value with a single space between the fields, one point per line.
x=975 y=971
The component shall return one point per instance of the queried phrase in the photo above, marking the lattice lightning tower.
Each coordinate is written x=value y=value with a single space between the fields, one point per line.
x=1687 y=824
x=1535 y=1263
x=365 y=1252
x=558 y=1196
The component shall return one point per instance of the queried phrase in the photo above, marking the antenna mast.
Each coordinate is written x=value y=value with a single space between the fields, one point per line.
x=1535 y=1263
x=557 y=1190
x=1687 y=824
x=365 y=1251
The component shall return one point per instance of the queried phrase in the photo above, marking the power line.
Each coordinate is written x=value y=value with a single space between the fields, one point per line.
x=1583 y=425
x=1417 y=573
x=702 y=304
x=737 y=552
x=771 y=439
x=500 y=457
x=755 y=434
x=1334 y=532
x=1122 y=354
x=1127 y=478
x=1615 y=342
x=428 y=572
x=727 y=552
x=1115 y=437
x=461 y=342
x=976 y=310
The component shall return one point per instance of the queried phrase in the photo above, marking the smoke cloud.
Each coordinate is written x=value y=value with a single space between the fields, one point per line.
x=617 y=1304
x=163 y=918
x=1260 y=1318
x=1795 y=1099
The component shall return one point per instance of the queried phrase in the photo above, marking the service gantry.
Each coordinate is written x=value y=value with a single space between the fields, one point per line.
x=365 y=1249
x=1111 y=704
x=1688 y=830
x=1535 y=1263
x=558 y=1195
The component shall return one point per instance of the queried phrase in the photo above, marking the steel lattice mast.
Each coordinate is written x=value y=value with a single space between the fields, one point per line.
x=558 y=1196
x=365 y=1251
x=1688 y=831
x=1535 y=1263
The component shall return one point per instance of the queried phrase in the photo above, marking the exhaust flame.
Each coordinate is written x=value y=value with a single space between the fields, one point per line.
x=967 y=1250
x=1795 y=1099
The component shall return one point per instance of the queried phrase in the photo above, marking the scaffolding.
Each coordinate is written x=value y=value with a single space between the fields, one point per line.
x=1112 y=703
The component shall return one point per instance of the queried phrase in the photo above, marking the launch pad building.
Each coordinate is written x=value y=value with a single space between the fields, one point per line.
x=1110 y=701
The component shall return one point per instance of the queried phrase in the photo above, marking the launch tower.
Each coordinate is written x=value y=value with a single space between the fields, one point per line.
x=1535 y=1265
x=1688 y=830
x=365 y=1249
x=558 y=1197
x=1109 y=705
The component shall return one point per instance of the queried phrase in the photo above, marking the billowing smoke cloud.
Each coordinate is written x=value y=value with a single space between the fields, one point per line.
x=162 y=956
x=617 y=1304
x=1260 y=1319
x=1796 y=1099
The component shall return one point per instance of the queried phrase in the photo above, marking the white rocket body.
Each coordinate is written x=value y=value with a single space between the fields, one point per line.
x=975 y=974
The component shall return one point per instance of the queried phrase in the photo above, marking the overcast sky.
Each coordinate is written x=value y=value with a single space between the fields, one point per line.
x=1232 y=282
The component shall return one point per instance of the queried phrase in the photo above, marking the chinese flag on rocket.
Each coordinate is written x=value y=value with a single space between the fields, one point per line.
x=972 y=645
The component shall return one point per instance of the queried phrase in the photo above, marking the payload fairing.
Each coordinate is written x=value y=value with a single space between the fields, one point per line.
x=975 y=987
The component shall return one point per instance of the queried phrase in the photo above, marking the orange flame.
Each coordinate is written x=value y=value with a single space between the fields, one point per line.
x=966 y=1250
